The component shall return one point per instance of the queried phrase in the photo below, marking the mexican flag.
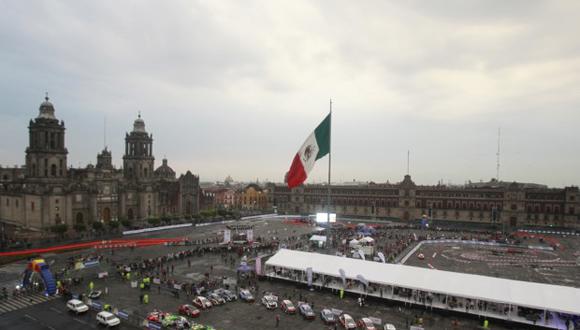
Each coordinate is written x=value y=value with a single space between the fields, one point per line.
x=316 y=146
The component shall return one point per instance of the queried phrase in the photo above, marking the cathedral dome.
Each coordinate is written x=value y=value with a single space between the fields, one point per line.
x=139 y=125
x=164 y=171
x=46 y=109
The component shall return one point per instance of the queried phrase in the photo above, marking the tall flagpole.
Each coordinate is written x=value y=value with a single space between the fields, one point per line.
x=329 y=158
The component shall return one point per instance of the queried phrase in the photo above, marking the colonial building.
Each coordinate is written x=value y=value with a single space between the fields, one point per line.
x=511 y=204
x=223 y=197
x=45 y=192
x=252 y=197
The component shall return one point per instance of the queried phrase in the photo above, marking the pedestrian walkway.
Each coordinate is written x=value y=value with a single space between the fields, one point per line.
x=20 y=302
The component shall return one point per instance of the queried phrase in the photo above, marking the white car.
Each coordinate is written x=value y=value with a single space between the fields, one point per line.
x=108 y=319
x=389 y=326
x=77 y=306
x=271 y=302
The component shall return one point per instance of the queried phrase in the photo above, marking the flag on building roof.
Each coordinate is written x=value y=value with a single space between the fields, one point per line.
x=316 y=146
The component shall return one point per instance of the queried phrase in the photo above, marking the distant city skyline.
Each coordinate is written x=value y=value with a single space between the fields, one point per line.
x=230 y=88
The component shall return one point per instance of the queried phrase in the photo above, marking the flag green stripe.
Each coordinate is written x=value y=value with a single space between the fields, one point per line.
x=322 y=133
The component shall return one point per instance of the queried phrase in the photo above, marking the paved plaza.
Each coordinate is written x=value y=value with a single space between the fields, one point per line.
x=557 y=267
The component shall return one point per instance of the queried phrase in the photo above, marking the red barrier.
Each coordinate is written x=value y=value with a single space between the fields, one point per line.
x=94 y=244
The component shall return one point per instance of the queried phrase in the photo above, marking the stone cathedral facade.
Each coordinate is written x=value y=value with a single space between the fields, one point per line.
x=46 y=192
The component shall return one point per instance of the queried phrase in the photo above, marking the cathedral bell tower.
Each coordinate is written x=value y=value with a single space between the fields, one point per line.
x=46 y=153
x=138 y=159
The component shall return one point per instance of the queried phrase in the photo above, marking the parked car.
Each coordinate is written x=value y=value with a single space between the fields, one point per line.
x=202 y=302
x=246 y=295
x=216 y=299
x=306 y=311
x=288 y=307
x=327 y=316
x=366 y=324
x=226 y=294
x=389 y=326
x=347 y=321
x=271 y=302
x=189 y=310
x=77 y=306
x=175 y=322
x=108 y=319
x=95 y=294
x=157 y=316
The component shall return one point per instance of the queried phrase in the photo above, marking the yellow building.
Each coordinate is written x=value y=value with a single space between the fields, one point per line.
x=253 y=197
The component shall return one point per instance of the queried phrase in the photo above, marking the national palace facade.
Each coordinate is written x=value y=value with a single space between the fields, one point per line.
x=46 y=192
x=512 y=204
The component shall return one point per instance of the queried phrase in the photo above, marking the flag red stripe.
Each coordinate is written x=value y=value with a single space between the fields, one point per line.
x=296 y=174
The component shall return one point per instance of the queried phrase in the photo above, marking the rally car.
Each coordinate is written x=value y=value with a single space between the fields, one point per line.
x=189 y=310
x=226 y=294
x=327 y=316
x=366 y=324
x=202 y=302
x=347 y=321
x=270 y=301
x=216 y=299
x=306 y=311
x=247 y=296
x=157 y=316
x=288 y=307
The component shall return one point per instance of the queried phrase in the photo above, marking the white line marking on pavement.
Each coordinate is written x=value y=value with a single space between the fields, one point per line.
x=80 y=321
x=30 y=317
x=55 y=310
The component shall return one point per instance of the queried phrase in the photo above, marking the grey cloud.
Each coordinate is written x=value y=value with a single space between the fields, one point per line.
x=234 y=87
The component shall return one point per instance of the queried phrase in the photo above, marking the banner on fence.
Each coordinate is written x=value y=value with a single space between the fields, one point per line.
x=342 y=276
x=227 y=235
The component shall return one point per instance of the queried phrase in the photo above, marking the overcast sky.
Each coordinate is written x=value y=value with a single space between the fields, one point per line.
x=235 y=87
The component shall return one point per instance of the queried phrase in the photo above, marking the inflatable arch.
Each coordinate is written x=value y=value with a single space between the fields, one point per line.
x=40 y=267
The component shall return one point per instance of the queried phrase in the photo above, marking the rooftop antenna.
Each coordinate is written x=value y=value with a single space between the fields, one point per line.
x=498 y=150
x=408 y=155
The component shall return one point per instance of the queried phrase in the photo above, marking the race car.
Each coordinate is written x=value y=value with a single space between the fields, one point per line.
x=197 y=326
x=366 y=324
x=189 y=310
x=226 y=294
x=216 y=299
x=247 y=296
x=421 y=256
x=288 y=307
x=202 y=302
x=175 y=322
x=306 y=311
x=95 y=294
x=271 y=302
x=347 y=321
x=389 y=326
x=157 y=316
x=327 y=316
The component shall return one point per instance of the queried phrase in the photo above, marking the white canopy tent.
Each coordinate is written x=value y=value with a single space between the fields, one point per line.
x=367 y=240
x=318 y=238
x=525 y=294
x=353 y=243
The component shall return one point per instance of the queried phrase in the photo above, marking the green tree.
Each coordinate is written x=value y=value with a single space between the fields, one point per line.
x=97 y=225
x=126 y=223
x=113 y=224
x=59 y=229
x=153 y=221
x=80 y=227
